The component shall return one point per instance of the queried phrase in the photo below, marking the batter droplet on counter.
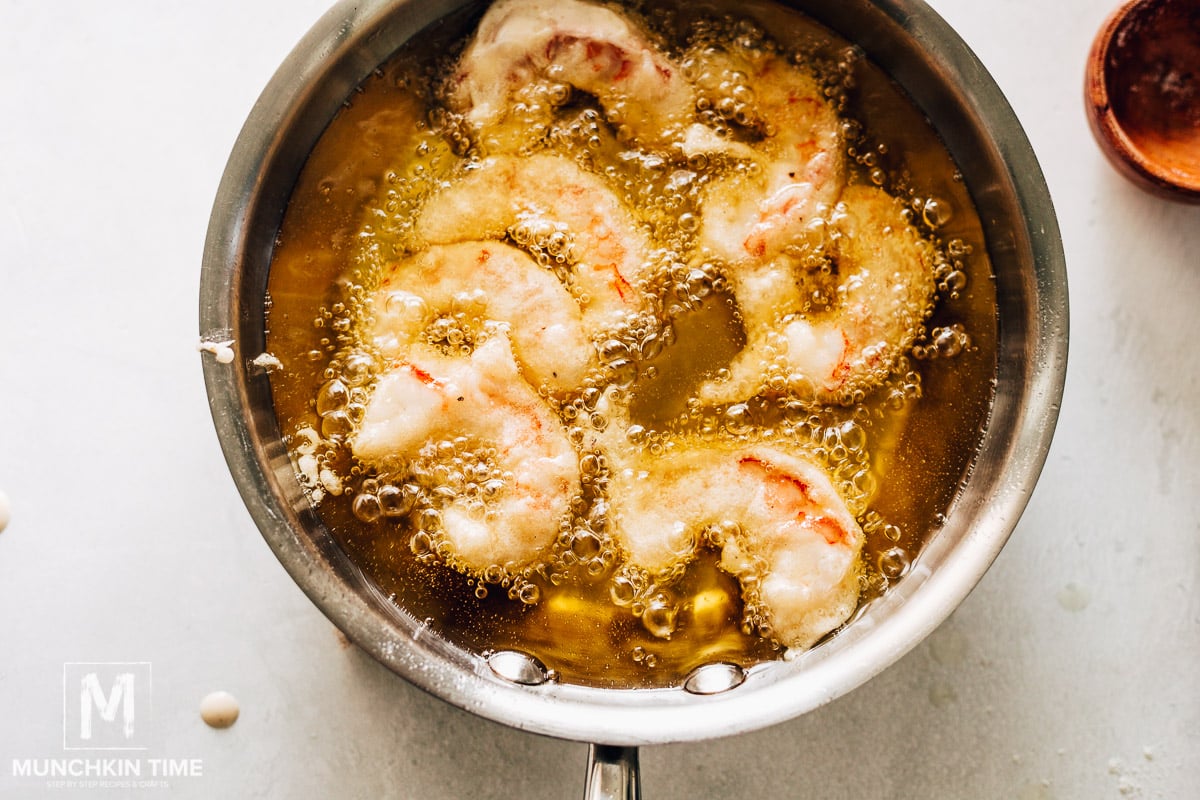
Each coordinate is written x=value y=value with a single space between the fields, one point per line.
x=1073 y=597
x=219 y=709
x=5 y=511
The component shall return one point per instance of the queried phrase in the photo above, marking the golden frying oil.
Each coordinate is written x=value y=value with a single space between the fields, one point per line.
x=899 y=455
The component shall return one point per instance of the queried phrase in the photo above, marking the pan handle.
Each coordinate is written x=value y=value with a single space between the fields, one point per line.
x=612 y=773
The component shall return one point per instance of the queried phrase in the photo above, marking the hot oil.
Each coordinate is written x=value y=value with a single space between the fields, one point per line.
x=899 y=455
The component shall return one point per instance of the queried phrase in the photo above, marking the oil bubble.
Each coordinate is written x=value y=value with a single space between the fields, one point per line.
x=624 y=373
x=699 y=284
x=529 y=593
x=954 y=282
x=623 y=591
x=613 y=350
x=395 y=502
x=864 y=483
x=659 y=617
x=949 y=341
x=367 y=508
x=936 y=213
x=333 y=396
x=853 y=437
x=429 y=520
x=336 y=425
x=894 y=563
x=586 y=546
x=738 y=419
x=650 y=347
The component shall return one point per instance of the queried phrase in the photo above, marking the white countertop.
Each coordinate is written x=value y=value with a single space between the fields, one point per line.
x=1071 y=671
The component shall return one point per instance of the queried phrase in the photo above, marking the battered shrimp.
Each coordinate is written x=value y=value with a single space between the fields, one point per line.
x=595 y=232
x=883 y=291
x=788 y=536
x=752 y=215
x=802 y=559
x=474 y=284
x=432 y=398
x=578 y=44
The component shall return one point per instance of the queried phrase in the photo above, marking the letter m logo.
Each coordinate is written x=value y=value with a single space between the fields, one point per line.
x=105 y=705
x=91 y=695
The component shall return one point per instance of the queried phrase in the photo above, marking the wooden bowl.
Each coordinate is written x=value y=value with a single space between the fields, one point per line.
x=1143 y=95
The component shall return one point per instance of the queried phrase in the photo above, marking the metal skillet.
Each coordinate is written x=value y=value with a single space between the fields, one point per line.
x=925 y=57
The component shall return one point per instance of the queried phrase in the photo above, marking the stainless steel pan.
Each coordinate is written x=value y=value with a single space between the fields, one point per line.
x=944 y=78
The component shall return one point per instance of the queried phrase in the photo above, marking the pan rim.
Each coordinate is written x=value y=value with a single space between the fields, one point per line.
x=1033 y=349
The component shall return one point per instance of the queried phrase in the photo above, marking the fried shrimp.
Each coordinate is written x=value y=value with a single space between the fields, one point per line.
x=797 y=549
x=587 y=231
x=840 y=329
x=783 y=530
x=568 y=43
x=432 y=398
x=467 y=286
x=753 y=215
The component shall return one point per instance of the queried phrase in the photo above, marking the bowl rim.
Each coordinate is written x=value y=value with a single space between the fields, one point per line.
x=771 y=693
